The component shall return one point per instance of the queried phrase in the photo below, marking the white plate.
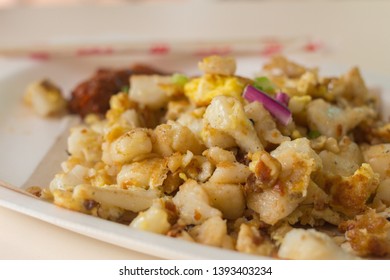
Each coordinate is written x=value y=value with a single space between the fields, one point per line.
x=26 y=138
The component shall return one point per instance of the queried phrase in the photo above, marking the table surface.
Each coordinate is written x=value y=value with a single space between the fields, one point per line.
x=355 y=33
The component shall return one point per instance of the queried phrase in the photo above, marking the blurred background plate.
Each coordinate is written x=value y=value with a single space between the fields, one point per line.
x=348 y=32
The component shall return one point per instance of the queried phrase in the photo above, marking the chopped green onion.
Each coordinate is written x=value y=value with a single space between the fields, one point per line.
x=264 y=84
x=179 y=79
x=125 y=89
x=313 y=134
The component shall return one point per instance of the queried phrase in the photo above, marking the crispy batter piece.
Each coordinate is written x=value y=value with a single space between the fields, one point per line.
x=368 y=234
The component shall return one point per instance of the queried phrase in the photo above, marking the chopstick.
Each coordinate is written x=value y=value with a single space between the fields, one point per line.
x=16 y=189
x=262 y=46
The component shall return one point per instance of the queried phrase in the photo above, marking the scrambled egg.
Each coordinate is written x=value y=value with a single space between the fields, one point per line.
x=203 y=89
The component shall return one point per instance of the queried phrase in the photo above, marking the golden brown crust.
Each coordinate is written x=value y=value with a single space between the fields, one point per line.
x=368 y=234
